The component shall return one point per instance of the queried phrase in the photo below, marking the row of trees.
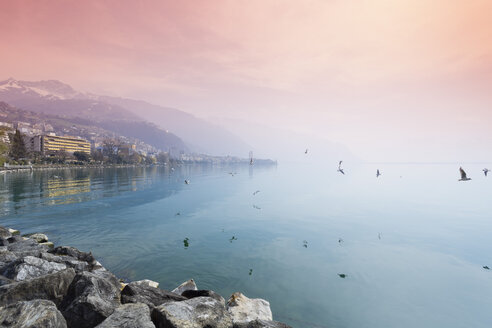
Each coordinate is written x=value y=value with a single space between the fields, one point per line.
x=111 y=153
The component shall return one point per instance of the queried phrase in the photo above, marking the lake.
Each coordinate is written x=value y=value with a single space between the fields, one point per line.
x=412 y=243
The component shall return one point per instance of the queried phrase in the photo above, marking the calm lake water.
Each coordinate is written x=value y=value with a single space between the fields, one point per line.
x=413 y=241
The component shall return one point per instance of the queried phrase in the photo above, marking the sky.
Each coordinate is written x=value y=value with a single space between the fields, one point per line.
x=406 y=80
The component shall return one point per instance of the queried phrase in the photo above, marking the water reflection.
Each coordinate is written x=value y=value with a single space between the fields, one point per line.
x=429 y=270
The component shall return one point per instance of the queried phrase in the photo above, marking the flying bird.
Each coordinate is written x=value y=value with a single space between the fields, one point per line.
x=378 y=173
x=340 y=168
x=256 y=192
x=485 y=171
x=463 y=175
x=187 y=181
x=306 y=151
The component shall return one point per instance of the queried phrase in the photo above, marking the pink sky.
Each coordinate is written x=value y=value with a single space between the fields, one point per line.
x=392 y=80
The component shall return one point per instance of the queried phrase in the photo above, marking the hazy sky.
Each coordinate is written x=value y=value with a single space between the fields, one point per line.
x=394 y=80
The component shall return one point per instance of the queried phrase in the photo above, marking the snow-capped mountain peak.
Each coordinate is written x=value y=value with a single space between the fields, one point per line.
x=51 y=89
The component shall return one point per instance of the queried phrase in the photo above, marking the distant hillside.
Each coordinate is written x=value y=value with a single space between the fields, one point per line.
x=56 y=98
x=87 y=128
x=202 y=136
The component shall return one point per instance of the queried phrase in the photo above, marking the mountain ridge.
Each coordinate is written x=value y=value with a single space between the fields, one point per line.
x=58 y=98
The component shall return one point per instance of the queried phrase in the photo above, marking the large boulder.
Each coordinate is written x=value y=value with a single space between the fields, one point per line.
x=199 y=312
x=261 y=324
x=30 y=267
x=147 y=282
x=90 y=299
x=245 y=309
x=5 y=281
x=13 y=231
x=31 y=314
x=129 y=316
x=136 y=292
x=187 y=285
x=73 y=252
x=25 y=247
x=202 y=293
x=49 y=287
x=69 y=261
x=38 y=237
x=5 y=233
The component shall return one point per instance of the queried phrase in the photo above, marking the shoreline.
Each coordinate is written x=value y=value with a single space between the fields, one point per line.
x=28 y=168
x=46 y=286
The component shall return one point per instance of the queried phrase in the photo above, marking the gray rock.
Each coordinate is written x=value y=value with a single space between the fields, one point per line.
x=15 y=238
x=14 y=232
x=187 y=285
x=48 y=244
x=31 y=314
x=5 y=233
x=7 y=256
x=26 y=247
x=147 y=282
x=245 y=309
x=90 y=299
x=141 y=293
x=49 y=287
x=30 y=267
x=129 y=316
x=5 y=281
x=4 y=241
x=199 y=312
x=73 y=252
x=261 y=324
x=205 y=293
x=69 y=261
x=38 y=237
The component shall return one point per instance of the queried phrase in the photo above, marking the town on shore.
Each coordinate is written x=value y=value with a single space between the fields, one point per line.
x=26 y=144
x=57 y=287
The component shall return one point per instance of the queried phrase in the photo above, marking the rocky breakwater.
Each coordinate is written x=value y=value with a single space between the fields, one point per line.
x=46 y=286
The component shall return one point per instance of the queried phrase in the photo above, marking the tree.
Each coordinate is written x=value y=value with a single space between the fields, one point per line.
x=17 y=148
x=110 y=149
x=163 y=158
x=81 y=156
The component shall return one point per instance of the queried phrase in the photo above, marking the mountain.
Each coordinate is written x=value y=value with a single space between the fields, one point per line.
x=143 y=134
x=56 y=98
x=201 y=135
x=270 y=142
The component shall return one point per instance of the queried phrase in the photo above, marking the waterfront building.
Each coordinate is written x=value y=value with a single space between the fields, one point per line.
x=51 y=144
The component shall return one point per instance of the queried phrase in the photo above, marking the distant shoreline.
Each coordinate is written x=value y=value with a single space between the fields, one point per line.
x=27 y=168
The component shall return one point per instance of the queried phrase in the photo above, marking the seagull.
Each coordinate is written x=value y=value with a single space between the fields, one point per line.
x=256 y=192
x=340 y=168
x=340 y=241
x=379 y=236
x=306 y=151
x=378 y=173
x=187 y=181
x=463 y=175
x=485 y=171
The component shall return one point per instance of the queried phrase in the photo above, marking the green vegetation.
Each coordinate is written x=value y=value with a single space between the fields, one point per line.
x=17 y=148
x=112 y=152
x=4 y=147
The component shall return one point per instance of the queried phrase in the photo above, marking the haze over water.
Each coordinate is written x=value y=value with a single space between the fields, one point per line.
x=414 y=240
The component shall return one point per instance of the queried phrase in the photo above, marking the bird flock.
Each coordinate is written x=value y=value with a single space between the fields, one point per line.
x=463 y=177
